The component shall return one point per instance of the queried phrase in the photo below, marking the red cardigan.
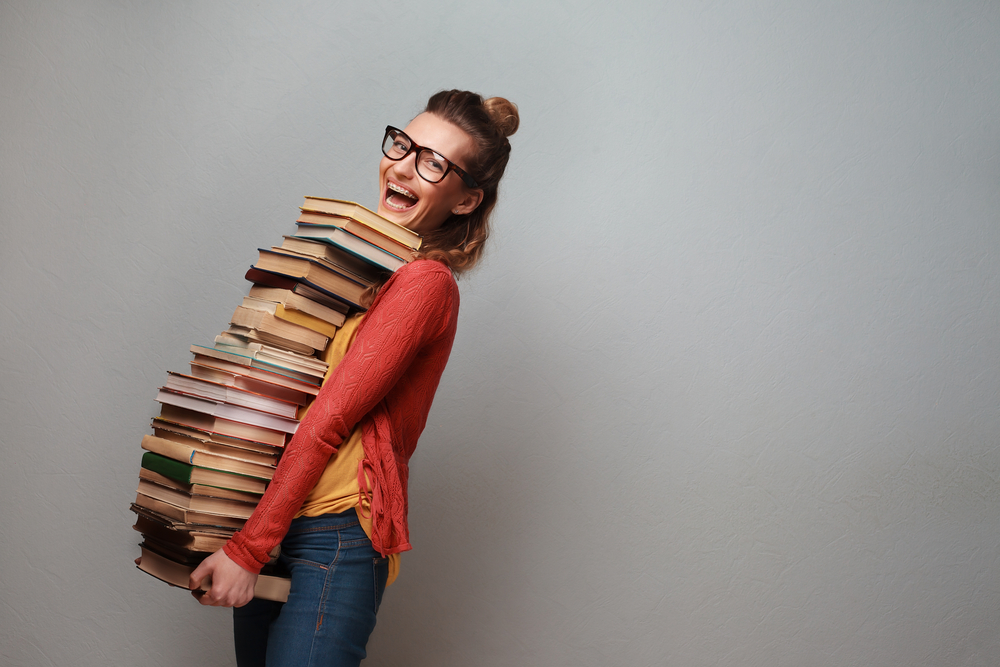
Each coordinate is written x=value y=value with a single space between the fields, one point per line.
x=386 y=381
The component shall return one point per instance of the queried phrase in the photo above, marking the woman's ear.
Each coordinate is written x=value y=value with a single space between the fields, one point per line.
x=469 y=202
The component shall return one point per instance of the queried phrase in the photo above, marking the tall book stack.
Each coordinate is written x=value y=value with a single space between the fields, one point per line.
x=224 y=422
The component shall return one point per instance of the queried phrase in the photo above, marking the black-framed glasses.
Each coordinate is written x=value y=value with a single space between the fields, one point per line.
x=431 y=165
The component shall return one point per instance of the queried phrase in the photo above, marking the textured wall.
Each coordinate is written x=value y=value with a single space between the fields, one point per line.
x=725 y=392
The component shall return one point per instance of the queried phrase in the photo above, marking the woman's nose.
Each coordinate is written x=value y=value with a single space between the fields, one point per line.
x=408 y=165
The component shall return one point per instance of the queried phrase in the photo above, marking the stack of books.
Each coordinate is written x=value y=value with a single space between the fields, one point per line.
x=223 y=423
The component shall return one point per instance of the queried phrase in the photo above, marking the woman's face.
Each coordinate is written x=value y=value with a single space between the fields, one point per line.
x=409 y=200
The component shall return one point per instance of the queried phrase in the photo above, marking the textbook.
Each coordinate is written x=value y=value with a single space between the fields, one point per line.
x=191 y=540
x=343 y=260
x=197 y=489
x=173 y=524
x=174 y=550
x=247 y=357
x=300 y=300
x=312 y=270
x=216 y=391
x=188 y=454
x=189 y=474
x=340 y=238
x=182 y=515
x=230 y=377
x=198 y=503
x=315 y=219
x=265 y=322
x=171 y=551
x=223 y=427
x=366 y=217
x=261 y=278
x=226 y=411
x=321 y=325
x=268 y=587
x=245 y=450
x=254 y=336
x=263 y=350
x=255 y=373
x=290 y=360
x=356 y=230
x=292 y=316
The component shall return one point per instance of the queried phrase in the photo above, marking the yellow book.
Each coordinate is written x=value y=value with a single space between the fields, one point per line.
x=305 y=319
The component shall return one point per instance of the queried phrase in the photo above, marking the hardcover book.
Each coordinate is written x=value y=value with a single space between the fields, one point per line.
x=340 y=238
x=367 y=218
x=186 y=473
x=268 y=587
x=312 y=270
x=220 y=410
x=188 y=454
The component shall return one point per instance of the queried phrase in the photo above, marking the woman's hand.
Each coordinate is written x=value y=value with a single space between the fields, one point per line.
x=230 y=585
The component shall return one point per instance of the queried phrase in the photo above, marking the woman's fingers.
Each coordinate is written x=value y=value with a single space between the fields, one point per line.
x=226 y=583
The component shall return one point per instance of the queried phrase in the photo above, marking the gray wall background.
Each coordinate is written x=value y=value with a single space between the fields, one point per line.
x=724 y=393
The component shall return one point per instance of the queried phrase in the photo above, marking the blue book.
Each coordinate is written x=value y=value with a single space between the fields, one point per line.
x=347 y=241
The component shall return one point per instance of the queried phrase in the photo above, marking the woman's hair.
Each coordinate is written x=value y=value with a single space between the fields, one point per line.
x=459 y=242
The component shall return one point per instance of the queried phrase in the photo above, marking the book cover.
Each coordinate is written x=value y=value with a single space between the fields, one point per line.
x=296 y=316
x=259 y=276
x=245 y=357
x=266 y=322
x=313 y=271
x=190 y=455
x=268 y=587
x=217 y=391
x=226 y=411
x=365 y=216
x=340 y=238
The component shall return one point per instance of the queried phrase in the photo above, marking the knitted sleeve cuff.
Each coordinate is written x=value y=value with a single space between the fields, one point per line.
x=240 y=555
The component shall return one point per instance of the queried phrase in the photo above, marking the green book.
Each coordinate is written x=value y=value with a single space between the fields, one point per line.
x=189 y=474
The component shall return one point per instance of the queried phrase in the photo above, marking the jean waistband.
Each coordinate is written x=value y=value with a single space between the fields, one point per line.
x=339 y=521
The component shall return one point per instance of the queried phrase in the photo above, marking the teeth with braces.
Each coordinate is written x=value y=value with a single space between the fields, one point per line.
x=402 y=191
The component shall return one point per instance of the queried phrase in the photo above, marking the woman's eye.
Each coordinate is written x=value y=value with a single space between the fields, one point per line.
x=433 y=164
x=400 y=146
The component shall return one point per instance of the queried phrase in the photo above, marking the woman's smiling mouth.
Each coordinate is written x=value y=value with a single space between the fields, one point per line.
x=399 y=198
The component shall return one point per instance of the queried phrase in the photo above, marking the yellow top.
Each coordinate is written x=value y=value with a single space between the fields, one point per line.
x=337 y=489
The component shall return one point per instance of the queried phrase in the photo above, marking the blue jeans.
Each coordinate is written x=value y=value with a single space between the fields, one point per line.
x=337 y=585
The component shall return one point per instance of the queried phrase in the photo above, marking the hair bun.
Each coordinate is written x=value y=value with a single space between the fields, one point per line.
x=503 y=114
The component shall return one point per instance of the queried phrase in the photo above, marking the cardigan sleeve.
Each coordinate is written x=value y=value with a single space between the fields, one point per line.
x=411 y=310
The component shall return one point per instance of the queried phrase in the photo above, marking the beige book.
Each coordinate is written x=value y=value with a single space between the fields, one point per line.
x=189 y=454
x=190 y=501
x=191 y=517
x=367 y=217
x=178 y=574
x=263 y=322
x=233 y=429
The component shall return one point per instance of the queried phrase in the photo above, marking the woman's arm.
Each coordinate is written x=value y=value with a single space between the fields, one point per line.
x=413 y=308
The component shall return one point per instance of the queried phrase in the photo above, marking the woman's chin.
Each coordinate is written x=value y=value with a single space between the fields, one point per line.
x=407 y=218
x=416 y=218
x=390 y=214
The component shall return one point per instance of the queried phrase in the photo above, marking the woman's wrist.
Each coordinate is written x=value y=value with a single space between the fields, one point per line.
x=242 y=556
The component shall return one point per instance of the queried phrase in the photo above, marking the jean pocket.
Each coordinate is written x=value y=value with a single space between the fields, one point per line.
x=314 y=550
x=380 y=570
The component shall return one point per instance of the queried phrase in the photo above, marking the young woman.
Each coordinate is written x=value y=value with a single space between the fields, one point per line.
x=337 y=503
